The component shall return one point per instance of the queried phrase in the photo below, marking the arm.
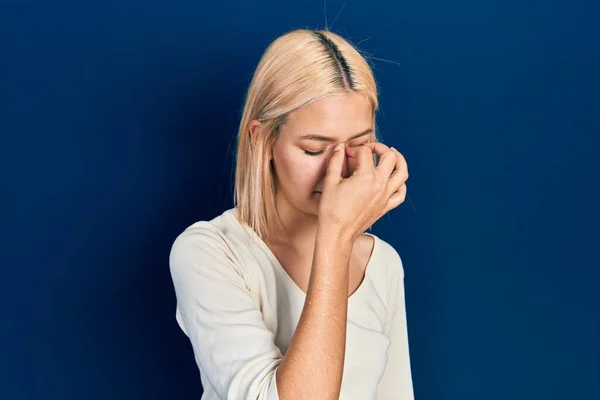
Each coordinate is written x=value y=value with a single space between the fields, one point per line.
x=313 y=365
x=396 y=382
x=231 y=343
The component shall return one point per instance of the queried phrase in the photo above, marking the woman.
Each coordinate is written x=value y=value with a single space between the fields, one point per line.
x=284 y=296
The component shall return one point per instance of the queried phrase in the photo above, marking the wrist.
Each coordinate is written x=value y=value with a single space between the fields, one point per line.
x=335 y=234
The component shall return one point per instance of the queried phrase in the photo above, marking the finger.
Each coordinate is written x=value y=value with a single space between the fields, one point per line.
x=334 y=168
x=352 y=152
x=364 y=158
x=396 y=198
x=395 y=184
x=401 y=167
x=386 y=165
x=401 y=162
x=400 y=174
x=378 y=148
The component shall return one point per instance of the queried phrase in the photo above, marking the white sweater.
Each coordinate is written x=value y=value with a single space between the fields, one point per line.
x=239 y=308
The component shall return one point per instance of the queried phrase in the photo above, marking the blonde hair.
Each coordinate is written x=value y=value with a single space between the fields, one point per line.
x=297 y=68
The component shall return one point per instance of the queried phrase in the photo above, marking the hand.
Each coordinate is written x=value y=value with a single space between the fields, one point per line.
x=355 y=203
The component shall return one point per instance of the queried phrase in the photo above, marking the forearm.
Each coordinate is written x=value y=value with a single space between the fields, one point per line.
x=313 y=364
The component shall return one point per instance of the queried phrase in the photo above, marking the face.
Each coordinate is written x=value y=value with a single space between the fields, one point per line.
x=305 y=144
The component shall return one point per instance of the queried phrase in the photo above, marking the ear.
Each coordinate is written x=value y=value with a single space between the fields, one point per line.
x=253 y=130
x=253 y=127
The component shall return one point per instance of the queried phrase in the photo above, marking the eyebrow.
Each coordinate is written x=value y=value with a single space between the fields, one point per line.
x=330 y=139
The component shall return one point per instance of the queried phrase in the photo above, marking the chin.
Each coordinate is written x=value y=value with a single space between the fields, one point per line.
x=307 y=205
x=311 y=207
x=314 y=201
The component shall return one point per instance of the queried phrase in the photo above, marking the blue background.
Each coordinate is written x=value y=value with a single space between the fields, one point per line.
x=118 y=121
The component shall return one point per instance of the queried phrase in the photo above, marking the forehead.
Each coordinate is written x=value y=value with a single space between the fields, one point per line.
x=339 y=116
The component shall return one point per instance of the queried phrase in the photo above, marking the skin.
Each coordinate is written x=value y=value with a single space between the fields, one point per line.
x=322 y=246
x=301 y=165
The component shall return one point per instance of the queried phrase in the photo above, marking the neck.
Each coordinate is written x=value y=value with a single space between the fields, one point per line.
x=299 y=228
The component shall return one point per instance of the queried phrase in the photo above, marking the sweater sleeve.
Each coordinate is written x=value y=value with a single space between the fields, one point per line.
x=396 y=382
x=231 y=343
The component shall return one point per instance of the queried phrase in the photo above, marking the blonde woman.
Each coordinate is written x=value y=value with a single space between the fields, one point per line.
x=284 y=296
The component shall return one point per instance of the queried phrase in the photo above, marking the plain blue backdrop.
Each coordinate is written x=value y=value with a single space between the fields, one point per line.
x=118 y=123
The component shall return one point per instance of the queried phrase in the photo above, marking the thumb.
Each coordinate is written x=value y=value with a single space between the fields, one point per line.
x=336 y=161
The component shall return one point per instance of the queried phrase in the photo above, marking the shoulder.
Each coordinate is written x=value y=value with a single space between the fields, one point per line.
x=202 y=241
x=390 y=268
x=389 y=258
x=392 y=273
x=201 y=235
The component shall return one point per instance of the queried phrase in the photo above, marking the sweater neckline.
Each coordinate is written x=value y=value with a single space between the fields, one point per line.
x=258 y=240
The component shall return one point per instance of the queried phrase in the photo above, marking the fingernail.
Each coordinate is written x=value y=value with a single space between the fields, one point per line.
x=338 y=147
x=393 y=149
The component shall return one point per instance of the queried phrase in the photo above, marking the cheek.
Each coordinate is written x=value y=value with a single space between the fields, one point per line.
x=309 y=169
x=298 y=168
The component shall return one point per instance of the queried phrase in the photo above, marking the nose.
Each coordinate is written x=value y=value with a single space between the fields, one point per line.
x=346 y=168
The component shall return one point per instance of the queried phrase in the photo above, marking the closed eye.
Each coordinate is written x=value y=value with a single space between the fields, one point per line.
x=314 y=153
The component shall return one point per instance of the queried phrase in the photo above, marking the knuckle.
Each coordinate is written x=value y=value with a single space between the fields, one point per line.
x=378 y=182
